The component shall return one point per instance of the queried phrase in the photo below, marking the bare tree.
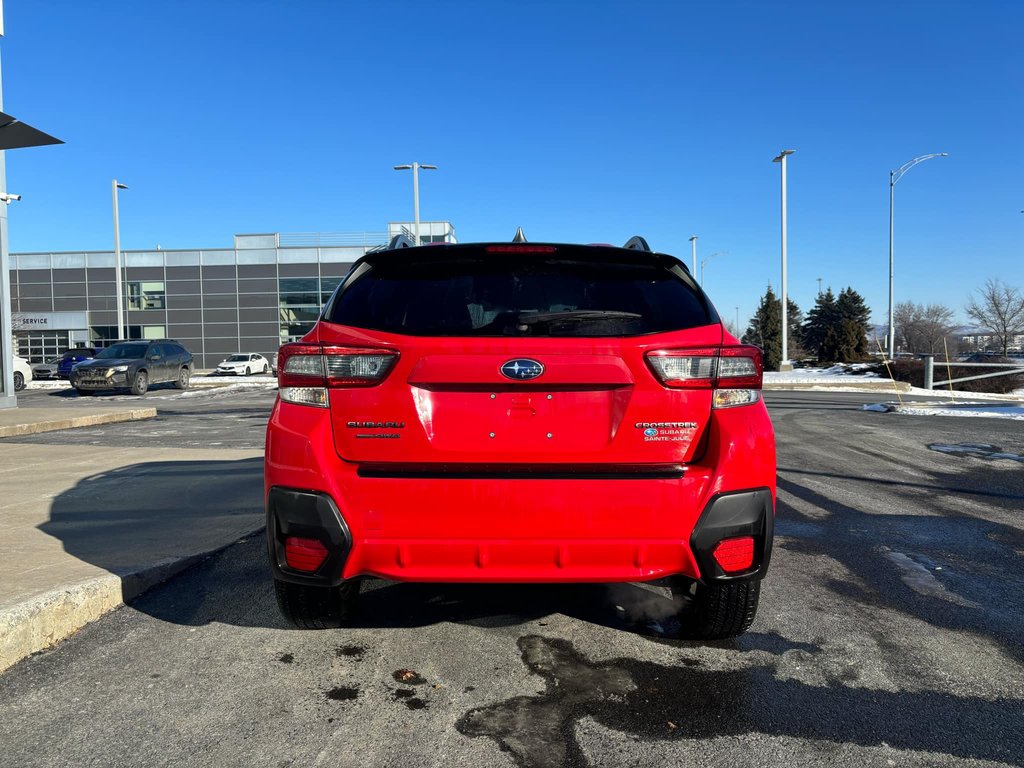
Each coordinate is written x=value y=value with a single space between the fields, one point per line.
x=922 y=328
x=999 y=309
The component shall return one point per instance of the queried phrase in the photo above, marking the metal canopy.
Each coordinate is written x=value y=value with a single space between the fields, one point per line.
x=15 y=134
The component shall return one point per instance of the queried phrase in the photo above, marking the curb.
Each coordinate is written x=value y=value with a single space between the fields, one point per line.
x=870 y=385
x=135 y=414
x=46 y=619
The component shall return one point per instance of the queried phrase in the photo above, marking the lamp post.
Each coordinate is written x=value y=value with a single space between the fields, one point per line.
x=693 y=248
x=895 y=176
x=705 y=261
x=114 y=186
x=415 y=167
x=784 y=364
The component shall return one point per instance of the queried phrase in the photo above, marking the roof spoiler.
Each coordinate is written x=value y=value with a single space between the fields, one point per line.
x=636 y=243
x=399 y=241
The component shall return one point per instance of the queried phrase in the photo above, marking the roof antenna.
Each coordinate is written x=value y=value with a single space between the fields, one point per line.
x=520 y=237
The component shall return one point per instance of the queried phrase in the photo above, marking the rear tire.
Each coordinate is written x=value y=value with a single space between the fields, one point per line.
x=248 y=371
x=266 y=369
x=140 y=383
x=19 y=381
x=316 y=607
x=183 y=378
x=721 y=611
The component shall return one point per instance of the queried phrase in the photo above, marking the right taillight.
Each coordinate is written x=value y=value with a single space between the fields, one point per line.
x=734 y=373
x=306 y=371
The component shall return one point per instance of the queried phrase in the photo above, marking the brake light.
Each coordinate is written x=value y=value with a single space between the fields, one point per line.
x=735 y=372
x=521 y=249
x=306 y=371
x=304 y=554
x=735 y=555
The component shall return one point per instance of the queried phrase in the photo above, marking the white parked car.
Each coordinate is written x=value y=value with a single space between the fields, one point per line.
x=243 y=364
x=22 y=373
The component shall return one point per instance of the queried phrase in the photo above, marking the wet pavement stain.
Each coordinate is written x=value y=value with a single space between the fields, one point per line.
x=408 y=677
x=408 y=697
x=655 y=702
x=350 y=651
x=286 y=658
x=342 y=694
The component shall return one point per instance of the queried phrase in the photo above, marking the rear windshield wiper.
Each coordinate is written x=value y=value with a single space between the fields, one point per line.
x=532 y=318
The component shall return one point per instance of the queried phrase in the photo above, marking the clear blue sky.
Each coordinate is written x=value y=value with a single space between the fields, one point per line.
x=581 y=122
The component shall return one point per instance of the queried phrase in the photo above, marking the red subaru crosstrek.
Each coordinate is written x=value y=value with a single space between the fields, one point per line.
x=520 y=412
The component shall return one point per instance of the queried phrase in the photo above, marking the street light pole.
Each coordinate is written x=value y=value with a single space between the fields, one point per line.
x=693 y=247
x=784 y=364
x=415 y=167
x=114 y=186
x=895 y=176
x=705 y=261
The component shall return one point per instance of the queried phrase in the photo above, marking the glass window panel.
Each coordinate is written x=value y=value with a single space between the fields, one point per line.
x=218 y=257
x=146 y=295
x=68 y=260
x=297 y=285
x=100 y=259
x=181 y=258
x=150 y=259
x=34 y=261
x=153 y=331
x=257 y=256
x=297 y=255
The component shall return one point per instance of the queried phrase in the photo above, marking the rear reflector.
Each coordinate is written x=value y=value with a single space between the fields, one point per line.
x=304 y=396
x=735 y=555
x=304 y=554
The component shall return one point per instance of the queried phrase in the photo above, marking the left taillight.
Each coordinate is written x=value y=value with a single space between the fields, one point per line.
x=734 y=373
x=306 y=371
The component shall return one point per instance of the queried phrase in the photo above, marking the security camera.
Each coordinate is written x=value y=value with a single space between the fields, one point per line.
x=9 y=198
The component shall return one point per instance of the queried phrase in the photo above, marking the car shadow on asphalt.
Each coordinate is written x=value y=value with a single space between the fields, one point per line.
x=943 y=567
x=135 y=517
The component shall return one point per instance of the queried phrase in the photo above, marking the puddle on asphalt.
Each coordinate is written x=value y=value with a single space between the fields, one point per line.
x=977 y=450
x=343 y=693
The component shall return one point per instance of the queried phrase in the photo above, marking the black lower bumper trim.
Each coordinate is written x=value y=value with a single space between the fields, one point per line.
x=442 y=471
x=307 y=514
x=728 y=515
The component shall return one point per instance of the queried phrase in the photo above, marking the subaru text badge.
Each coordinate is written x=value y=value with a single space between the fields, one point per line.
x=522 y=369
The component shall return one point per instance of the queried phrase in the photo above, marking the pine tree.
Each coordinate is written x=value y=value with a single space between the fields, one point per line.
x=820 y=319
x=765 y=329
x=853 y=315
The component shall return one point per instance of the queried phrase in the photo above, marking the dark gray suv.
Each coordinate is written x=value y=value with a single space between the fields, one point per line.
x=134 y=365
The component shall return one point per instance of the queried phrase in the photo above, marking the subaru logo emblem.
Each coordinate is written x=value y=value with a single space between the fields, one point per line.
x=522 y=369
x=650 y=432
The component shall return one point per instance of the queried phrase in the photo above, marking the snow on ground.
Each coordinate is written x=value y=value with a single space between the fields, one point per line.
x=853 y=372
x=987 y=410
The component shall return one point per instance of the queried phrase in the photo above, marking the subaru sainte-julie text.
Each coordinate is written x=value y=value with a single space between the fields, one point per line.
x=520 y=412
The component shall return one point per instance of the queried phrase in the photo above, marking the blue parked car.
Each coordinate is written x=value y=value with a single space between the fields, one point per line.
x=71 y=358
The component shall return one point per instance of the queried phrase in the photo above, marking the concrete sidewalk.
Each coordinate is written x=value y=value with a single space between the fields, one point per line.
x=15 y=422
x=84 y=529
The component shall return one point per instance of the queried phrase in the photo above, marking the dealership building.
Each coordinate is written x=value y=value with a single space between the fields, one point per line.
x=266 y=290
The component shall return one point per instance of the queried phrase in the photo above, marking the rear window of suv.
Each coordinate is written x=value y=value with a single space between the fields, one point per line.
x=468 y=291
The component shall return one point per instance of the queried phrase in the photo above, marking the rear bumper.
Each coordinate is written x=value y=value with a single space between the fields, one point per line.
x=515 y=528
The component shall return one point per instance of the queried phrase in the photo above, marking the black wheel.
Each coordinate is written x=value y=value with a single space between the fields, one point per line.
x=140 y=383
x=19 y=381
x=316 y=607
x=84 y=392
x=266 y=368
x=248 y=371
x=184 y=376
x=720 y=611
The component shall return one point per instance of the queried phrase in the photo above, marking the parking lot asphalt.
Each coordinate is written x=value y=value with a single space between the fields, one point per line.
x=889 y=634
